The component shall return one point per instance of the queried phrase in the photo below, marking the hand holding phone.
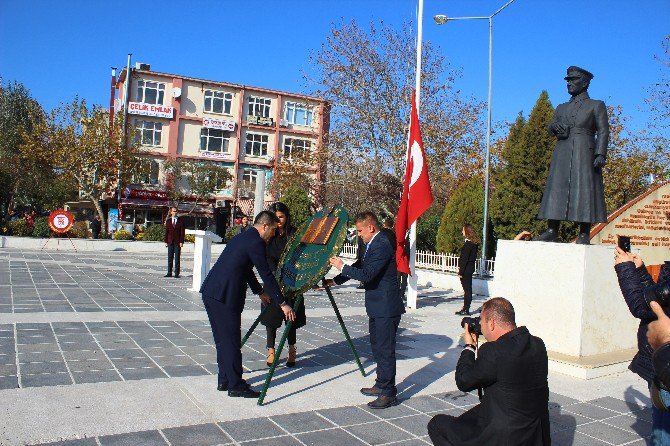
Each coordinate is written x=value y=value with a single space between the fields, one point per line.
x=623 y=242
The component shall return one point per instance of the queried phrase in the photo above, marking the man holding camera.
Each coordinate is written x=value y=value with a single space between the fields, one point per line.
x=511 y=369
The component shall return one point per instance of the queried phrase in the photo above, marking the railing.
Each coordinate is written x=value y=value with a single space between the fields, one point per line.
x=432 y=260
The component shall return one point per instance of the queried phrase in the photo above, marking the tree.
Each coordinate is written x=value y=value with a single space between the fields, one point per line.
x=298 y=203
x=466 y=206
x=427 y=229
x=367 y=74
x=77 y=141
x=520 y=179
x=295 y=171
x=658 y=134
x=194 y=181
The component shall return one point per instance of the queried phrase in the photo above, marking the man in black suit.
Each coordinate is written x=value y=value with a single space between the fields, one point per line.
x=511 y=368
x=224 y=293
x=174 y=240
x=376 y=268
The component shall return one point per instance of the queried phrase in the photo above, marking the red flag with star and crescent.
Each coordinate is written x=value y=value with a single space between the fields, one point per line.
x=416 y=196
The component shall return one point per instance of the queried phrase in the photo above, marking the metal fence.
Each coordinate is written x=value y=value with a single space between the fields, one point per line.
x=434 y=261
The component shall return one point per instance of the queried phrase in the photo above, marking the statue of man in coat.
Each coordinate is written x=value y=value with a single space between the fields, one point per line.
x=574 y=189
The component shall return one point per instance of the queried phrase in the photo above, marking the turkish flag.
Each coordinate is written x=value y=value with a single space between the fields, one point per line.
x=416 y=195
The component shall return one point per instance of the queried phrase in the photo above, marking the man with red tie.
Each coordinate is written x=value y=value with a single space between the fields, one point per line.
x=174 y=240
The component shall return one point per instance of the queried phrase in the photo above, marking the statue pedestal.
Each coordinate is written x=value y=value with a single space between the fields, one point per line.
x=568 y=295
x=202 y=255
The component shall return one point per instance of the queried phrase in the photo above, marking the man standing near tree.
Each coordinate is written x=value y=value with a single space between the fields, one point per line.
x=174 y=240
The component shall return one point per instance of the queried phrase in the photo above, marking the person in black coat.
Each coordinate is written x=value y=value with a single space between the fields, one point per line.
x=376 y=268
x=96 y=226
x=512 y=369
x=224 y=294
x=273 y=318
x=466 y=266
x=633 y=280
x=175 y=231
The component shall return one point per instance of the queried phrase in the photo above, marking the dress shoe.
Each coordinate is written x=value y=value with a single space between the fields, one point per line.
x=463 y=312
x=550 y=235
x=583 y=239
x=382 y=402
x=246 y=393
x=361 y=286
x=292 y=353
x=176 y=276
x=271 y=357
x=168 y=275
x=222 y=387
x=371 y=391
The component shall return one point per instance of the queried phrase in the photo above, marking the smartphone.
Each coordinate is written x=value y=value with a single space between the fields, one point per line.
x=624 y=243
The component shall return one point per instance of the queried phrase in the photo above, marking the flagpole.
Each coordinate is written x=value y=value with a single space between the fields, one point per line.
x=412 y=282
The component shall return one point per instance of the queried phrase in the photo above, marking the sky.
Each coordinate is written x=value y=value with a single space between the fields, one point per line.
x=66 y=48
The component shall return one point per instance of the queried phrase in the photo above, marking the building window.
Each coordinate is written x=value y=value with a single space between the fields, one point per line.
x=257 y=144
x=149 y=172
x=259 y=107
x=213 y=140
x=149 y=133
x=298 y=114
x=150 y=92
x=218 y=102
x=297 y=147
x=249 y=176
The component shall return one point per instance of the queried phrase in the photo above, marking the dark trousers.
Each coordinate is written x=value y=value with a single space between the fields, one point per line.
x=226 y=328
x=272 y=336
x=383 y=332
x=438 y=428
x=466 y=282
x=96 y=234
x=174 y=254
x=402 y=283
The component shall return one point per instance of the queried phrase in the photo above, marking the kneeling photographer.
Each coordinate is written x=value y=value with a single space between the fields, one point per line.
x=639 y=291
x=511 y=371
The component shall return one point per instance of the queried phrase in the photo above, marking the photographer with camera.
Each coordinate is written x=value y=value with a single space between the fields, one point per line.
x=639 y=291
x=511 y=370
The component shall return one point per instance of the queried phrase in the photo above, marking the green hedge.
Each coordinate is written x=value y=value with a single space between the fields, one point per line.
x=154 y=233
x=41 y=228
x=19 y=227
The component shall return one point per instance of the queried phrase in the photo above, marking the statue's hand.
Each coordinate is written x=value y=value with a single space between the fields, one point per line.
x=599 y=162
x=561 y=131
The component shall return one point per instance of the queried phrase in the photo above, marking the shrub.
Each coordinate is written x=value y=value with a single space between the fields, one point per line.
x=298 y=202
x=41 y=227
x=230 y=233
x=154 y=233
x=79 y=230
x=189 y=238
x=122 y=234
x=20 y=228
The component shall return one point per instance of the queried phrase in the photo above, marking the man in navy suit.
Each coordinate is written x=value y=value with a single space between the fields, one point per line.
x=174 y=240
x=376 y=268
x=224 y=292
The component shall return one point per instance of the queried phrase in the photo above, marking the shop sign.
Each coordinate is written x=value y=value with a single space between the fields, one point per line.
x=215 y=155
x=218 y=124
x=143 y=193
x=259 y=120
x=160 y=111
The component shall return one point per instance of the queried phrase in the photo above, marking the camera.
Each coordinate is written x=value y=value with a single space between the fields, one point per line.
x=657 y=293
x=474 y=324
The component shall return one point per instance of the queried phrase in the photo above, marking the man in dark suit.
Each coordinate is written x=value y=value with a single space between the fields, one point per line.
x=511 y=368
x=224 y=293
x=174 y=240
x=376 y=268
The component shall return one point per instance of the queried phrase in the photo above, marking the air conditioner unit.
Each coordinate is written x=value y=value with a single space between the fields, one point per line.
x=283 y=122
x=220 y=203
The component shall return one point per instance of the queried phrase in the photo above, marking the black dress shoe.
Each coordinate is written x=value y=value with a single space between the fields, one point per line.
x=550 y=235
x=371 y=391
x=246 y=393
x=168 y=275
x=222 y=387
x=584 y=239
x=382 y=402
x=361 y=286
x=463 y=312
x=176 y=276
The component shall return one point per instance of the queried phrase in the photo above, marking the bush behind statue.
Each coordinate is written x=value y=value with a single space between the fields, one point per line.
x=154 y=233
x=122 y=234
x=41 y=228
x=19 y=228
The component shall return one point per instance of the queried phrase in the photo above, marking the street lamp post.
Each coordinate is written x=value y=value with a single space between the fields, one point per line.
x=441 y=19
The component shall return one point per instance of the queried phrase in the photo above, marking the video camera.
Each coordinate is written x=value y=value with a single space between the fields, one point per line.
x=474 y=325
x=658 y=293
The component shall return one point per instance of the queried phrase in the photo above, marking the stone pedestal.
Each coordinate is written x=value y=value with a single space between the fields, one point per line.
x=568 y=295
x=202 y=255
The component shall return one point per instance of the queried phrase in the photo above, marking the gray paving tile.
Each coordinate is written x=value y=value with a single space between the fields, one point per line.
x=197 y=435
x=301 y=422
x=45 y=379
x=590 y=411
x=346 y=416
x=251 y=429
x=135 y=374
x=414 y=424
x=630 y=424
x=617 y=405
x=95 y=376
x=427 y=404
x=379 y=432
x=607 y=433
x=276 y=441
x=391 y=412
x=78 y=442
x=43 y=367
x=331 y=437
x=186 y=370
x=144 y=438
x=459 y=399
x=9 y=382
x=644 y=415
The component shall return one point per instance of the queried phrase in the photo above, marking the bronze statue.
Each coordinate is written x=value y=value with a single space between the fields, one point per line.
x=574 y=189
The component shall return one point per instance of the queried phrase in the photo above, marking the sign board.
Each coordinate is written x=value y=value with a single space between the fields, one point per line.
x=143 y=193
x=112 y=219
x=218 y=124
x=259 y=120
x=159 y=111
x=215 y=155
x=60 y=221
x=646 y=220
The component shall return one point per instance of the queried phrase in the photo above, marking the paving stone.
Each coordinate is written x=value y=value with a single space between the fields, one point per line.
x=79 y=442
x=95 y=376
x=9 y=382
x=331 y=437
x=607 y=433
x=45 y=379
x=630 y=424
x=145 y=373
x=617 y=405
x=379 y=432
x=43 y=367
x=590 y=411
x=302 y=422
x=414 y=424
x=144 y=438
x=396 y=411
x=427 y=404
x=197 y=435
x=185 y=370
x=276 y=441
x=346 y=416
x=251 y=429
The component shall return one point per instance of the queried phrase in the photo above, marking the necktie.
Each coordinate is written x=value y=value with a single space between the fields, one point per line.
x=174 y=221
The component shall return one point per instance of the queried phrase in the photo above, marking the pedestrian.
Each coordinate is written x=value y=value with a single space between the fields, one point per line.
x=174 y=240
x=96 y=226
x=466 y=266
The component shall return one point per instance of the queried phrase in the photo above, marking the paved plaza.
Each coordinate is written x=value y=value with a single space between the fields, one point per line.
x=98 y=348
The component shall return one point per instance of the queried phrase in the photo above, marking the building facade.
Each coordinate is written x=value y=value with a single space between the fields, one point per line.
x=249 y=130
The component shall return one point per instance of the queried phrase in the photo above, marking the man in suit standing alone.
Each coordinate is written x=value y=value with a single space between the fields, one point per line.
x=174 y=240
x=224 y=293
x=376 y=268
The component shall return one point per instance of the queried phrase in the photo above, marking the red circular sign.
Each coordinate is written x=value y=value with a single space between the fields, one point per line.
x=60 y=221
